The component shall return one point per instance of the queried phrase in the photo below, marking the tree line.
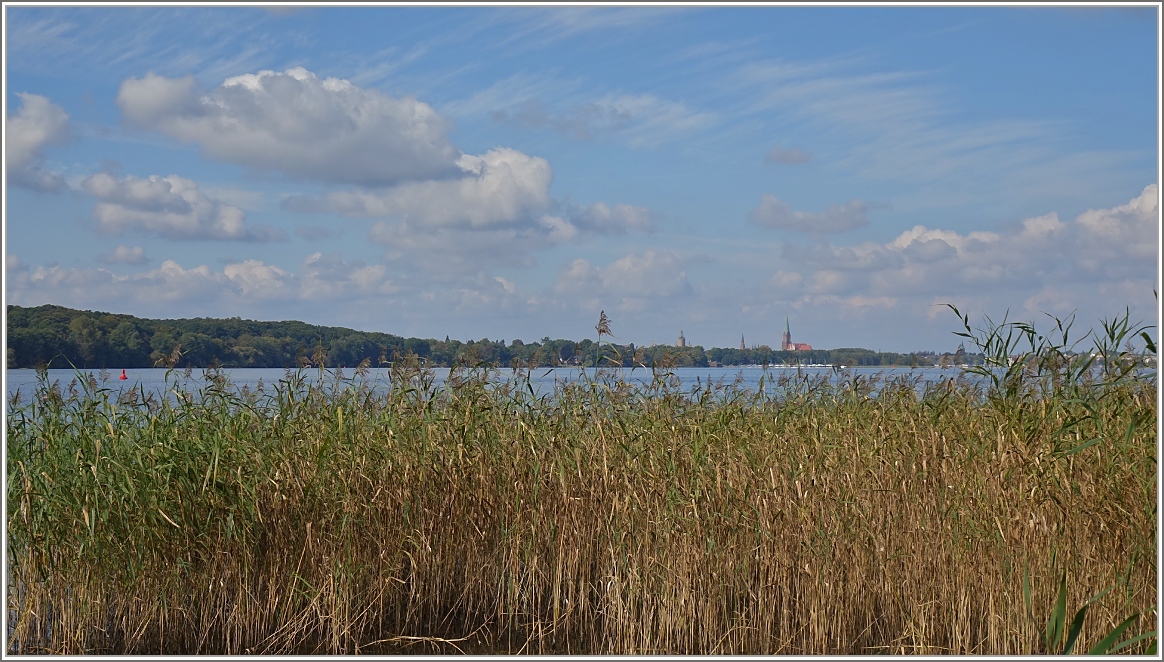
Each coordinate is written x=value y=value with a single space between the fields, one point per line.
x=58 y=337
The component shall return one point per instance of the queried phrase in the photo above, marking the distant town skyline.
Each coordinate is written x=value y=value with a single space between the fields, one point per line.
x=508 y=172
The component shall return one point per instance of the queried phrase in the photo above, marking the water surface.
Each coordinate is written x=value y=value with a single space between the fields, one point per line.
x=542 y=380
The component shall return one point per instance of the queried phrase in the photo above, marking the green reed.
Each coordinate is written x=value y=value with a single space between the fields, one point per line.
x=835 y=515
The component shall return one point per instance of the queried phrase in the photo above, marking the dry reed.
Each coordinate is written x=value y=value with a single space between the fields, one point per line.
x=813 y=516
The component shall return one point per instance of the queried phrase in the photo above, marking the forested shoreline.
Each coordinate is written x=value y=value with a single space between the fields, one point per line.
x=59 y=337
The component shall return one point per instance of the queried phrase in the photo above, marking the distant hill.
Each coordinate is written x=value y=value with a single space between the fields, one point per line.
x=60 y=337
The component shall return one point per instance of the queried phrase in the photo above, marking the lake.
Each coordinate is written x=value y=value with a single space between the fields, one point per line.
x=23 y=381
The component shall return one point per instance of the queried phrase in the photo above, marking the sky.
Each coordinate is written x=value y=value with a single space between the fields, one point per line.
x=508 y=172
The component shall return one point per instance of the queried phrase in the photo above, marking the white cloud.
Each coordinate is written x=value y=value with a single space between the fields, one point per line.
x=619 y=219
x=501 y=187
x=786 y=280
x=972 y=242
x=1046 y=263
x=857 y=305
x=256 y=280
x=13 y=263
x=444 y=252
x=88 y=287
x=1108 y=238
x=506 y=285
x=324 y=278
x=868 y=256
x=40 y=122
x=925 y=251
x=170 y=207
x=499 y=211
x=830 y=281
x=124 y=255
x=631 y=278
x=327 y=276
x=295 y=123
x=775 y=213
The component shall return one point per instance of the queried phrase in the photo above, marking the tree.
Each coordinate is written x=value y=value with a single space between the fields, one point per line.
x=86 y=335
x=126 y=347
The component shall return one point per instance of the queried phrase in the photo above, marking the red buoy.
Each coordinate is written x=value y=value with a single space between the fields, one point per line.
x=123 y=374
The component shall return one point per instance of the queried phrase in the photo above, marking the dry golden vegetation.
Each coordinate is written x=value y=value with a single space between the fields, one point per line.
x=833 y=515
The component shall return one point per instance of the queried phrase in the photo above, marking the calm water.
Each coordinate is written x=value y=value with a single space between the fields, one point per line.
x=23 y=381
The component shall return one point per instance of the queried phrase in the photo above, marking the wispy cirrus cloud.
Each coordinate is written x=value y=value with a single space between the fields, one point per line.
x=898 y=125
x=538 y=26
x=642 y=120
x=173 y=40
x=572 y=107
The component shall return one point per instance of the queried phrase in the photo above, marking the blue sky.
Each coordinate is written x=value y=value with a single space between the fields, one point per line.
x=507 y=172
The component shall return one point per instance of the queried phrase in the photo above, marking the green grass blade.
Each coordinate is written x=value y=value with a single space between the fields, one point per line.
x=1073 y=632
x=1129 y=642
x=1084 y=446
x=1148 y=341
x=1105 y=645
x=1058 y=616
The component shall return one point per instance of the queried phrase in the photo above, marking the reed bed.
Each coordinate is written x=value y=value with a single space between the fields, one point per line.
x=811 y=516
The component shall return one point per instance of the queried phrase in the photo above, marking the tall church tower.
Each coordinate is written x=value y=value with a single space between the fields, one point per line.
x=786 y=339
x=742 y=342
x=682 y=341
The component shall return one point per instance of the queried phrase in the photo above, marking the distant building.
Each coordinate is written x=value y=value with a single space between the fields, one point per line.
x=786 y=343
x=742 y=342
x=682 y=342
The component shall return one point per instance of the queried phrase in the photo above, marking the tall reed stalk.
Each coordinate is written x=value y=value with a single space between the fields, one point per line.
x=812 y=515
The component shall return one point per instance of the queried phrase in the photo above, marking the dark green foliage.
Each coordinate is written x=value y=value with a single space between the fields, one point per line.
x=60 y=337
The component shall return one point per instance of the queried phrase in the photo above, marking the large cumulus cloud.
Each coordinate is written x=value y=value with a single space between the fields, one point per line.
x=497 y=188
x=391 y=159
x=39 y=123
x=499 y=210
x=296 y=123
